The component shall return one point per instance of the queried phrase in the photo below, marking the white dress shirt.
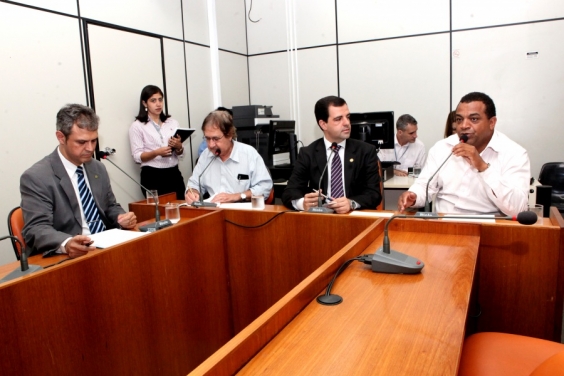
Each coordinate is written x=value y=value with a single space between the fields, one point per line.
x=71 y=171
x=223 y=176
x=144 y=137
x=460 y=188
x=408 y=155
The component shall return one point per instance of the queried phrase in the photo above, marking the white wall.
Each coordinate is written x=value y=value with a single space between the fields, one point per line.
x=396 y=56
x=41 y=71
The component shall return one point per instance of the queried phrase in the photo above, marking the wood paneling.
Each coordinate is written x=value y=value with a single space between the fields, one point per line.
x=158 y=305
x=267 y=262
x=518 y=280
x=387 y=324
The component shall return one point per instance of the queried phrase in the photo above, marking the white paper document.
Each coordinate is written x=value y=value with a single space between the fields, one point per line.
x=362 y=213
x=483 y=218
x=113 y=237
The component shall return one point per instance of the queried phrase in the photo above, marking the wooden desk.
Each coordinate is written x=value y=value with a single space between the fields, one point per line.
x=163 y=303
x=129 y=309
x=387 y=324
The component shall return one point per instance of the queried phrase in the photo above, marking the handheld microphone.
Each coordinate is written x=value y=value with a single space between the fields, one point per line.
x=319 y=208
x=201 y=203
x=463 y=138
x=24 y=269
x=151 y=227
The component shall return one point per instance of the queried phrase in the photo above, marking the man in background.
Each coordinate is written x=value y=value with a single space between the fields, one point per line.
x=487 y=174
x=351 y=179
x=408 y=150
x=67 y=195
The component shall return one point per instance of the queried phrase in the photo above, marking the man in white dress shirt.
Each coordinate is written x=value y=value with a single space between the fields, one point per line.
x=489 y=173
x=408 y=150
x=235 y=171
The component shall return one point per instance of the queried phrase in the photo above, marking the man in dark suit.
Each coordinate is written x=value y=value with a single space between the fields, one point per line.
x=54 y=217
x=350 y=161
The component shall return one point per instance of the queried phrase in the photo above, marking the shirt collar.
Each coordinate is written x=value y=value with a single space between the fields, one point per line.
x=328 y=144
x=68 y=165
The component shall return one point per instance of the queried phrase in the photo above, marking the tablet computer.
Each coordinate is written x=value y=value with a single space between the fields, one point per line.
x=184 y=133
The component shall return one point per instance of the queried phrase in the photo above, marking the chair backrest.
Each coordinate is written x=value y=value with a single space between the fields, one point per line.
x=270 y=199
x=15 y=227
x=552 y=173
x=382 y=203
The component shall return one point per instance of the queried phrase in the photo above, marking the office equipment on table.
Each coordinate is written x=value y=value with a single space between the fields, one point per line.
x=376 y=128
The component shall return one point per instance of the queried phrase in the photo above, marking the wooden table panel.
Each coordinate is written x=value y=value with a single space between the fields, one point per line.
x=267 y=262
x=518 y=280
x=137 y=308
x=387 y=324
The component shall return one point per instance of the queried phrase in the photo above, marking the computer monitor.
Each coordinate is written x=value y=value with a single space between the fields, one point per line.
x=282 y=143
x=376 y=128
x=257 y=137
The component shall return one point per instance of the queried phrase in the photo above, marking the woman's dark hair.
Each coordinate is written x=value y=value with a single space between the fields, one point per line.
x=147 y=92
x=451 y=119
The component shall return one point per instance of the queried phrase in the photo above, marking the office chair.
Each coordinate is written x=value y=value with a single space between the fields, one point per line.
x=270 y=199
x=15 y=227
x=502 y=354
x=552 y=174
x=382 y=205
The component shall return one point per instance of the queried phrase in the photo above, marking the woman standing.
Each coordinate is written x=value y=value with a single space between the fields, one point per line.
x=154 y=146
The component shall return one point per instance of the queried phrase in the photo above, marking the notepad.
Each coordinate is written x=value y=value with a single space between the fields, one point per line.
x=184 y=133
x=113 y=237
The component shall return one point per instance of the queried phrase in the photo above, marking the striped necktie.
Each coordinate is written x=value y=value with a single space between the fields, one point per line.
x=336 y=175
x=89 y=207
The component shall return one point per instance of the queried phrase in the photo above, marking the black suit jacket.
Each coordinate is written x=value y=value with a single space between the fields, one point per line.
x=51 y=207
x=362 y=181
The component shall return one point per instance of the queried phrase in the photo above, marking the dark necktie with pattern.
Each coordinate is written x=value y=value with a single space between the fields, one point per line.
x=336 y=175
x=89 y=207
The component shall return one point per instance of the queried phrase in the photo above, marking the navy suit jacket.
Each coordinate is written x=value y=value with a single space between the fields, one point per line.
x=362 y=181
x=51 y=207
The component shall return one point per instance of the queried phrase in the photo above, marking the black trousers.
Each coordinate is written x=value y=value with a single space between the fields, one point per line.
x=164 y=180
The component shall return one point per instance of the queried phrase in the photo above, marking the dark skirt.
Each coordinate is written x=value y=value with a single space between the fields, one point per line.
x=164 y=180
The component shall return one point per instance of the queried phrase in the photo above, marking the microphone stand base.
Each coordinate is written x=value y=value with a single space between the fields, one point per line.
x=204 y=204
x=18 y=273
x=329 y=299
x=320 y=209
x=152 y=227
x=395 y=263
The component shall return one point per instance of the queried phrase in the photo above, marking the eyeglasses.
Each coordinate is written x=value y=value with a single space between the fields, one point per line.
x=214 y=139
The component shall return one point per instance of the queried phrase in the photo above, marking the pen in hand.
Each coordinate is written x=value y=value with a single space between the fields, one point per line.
x=326 y=197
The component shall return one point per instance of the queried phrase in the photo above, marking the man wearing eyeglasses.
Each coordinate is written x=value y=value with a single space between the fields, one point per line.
x=235 y=171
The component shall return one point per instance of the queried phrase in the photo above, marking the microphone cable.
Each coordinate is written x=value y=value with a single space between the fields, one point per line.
x=262 y=224
x=333 y=299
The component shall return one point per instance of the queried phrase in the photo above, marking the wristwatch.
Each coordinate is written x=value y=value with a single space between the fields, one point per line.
x=243 y=196
x=354 y=204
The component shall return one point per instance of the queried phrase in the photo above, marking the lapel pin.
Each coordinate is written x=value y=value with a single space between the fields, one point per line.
x=95 y=176
x=351 y=160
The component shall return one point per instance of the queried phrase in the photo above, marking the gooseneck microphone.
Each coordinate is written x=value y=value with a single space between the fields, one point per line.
x=24 y=268
x=464 y=139
x=151 y=227
x=386 y=260
x=201 y=203
x=320 y=208
x=525 y=218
